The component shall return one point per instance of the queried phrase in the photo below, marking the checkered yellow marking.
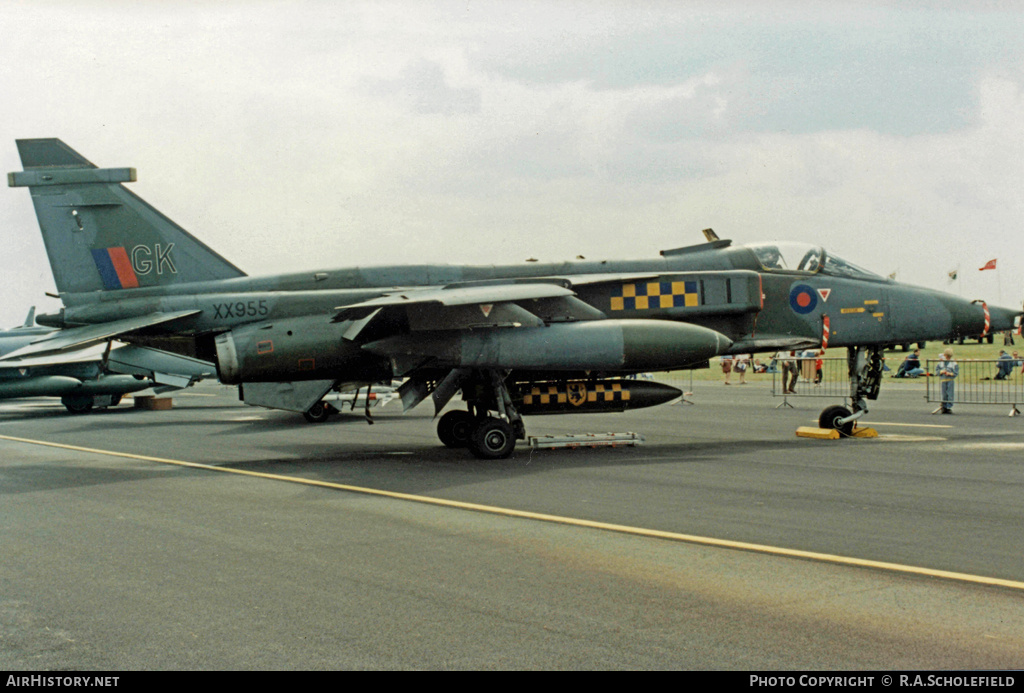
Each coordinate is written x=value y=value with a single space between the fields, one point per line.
x=607 y=394
x=558 y=394
x=649 y=295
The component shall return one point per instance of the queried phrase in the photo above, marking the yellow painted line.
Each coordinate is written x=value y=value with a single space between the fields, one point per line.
x=909 y=425
x=558 y=519
x=993 y=446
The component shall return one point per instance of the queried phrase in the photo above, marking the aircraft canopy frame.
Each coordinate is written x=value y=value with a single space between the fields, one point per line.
x=805 y=258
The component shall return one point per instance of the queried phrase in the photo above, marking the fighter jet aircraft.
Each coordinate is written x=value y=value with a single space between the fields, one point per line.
x=536 y=338
x=89 y=377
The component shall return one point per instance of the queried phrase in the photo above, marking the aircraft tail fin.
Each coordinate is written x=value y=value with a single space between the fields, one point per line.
x=30 y=320
x=99 y=235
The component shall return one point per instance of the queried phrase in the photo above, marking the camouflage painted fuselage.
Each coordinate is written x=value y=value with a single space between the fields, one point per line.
x=120 y=264
x=724 y=289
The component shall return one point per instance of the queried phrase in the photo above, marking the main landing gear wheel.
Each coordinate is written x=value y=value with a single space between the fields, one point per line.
x=831 y=417
x=455 y=428
x=492 y=439
x=319 y=412
x=77 y=404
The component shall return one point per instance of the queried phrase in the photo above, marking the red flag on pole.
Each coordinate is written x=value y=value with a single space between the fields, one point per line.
x=991 y=264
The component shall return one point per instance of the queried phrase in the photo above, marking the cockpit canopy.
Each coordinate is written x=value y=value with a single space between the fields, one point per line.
x=805 y=258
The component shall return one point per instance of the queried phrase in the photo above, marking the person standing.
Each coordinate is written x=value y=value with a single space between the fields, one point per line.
x=947 y=370
x=790 y=372
x=742 y=362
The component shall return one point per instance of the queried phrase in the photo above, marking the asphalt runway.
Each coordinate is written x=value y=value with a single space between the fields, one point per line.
x=724 y=542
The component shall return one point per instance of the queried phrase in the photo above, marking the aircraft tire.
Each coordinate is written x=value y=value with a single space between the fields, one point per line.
x=77 y=404
x=455 y=427
x=830 y=419
x=492 y=439
x=319 y=412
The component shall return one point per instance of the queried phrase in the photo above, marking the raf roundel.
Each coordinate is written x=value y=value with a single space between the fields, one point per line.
x=803 y=299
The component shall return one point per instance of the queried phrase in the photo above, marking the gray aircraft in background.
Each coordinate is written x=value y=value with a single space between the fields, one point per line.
x=514 y=339
x=88 y=377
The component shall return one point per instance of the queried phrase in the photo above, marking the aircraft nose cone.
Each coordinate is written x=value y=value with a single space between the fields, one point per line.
x=974 y=318
x=1002 y=319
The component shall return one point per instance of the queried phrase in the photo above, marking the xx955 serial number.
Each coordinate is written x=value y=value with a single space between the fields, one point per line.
x=241 y=309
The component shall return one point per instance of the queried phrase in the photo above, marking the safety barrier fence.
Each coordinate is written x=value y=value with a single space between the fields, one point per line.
x=992 y=381
x=996 y=381
x=831 y=379
x=815 y=377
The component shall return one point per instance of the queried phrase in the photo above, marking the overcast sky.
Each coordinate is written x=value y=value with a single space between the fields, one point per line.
x=302 y=135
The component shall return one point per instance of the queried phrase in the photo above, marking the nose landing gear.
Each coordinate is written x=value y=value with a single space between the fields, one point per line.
x=865 y=367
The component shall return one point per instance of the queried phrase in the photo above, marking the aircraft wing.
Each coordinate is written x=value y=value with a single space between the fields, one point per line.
x=457 y=296
x=488 y=292
x=475 y=306
x=60 y=341
x=585 y=279
x=93 y=352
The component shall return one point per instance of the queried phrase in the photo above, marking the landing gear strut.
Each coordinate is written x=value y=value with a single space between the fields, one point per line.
x=865 y=367
x=491 y=426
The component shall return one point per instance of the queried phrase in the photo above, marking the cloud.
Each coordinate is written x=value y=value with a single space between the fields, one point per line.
x=422 y=88
x=301 y=135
